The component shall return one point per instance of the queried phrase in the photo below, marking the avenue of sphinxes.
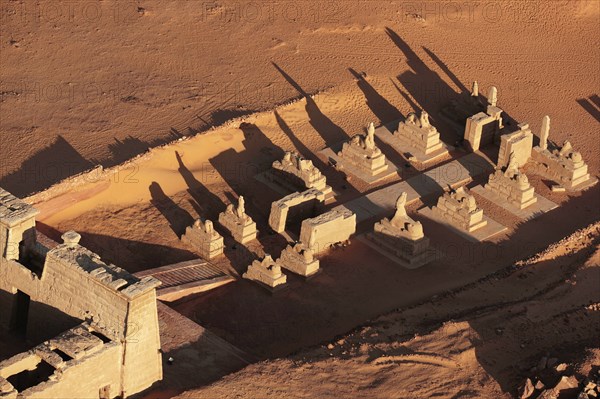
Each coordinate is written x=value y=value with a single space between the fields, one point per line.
x=313 y=199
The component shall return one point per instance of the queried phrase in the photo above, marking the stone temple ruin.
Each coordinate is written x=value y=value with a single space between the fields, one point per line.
x=418 y=137
x=458 y=210
x=327 y=229
x=401 y=238
x=362 y=153
x=561 y=164
x=299 y=259
x=266 y=272
x=484 y=127
x=203 y=237
x=509 y=188
x=295 y=173
x=239 y=224
x=86 y=315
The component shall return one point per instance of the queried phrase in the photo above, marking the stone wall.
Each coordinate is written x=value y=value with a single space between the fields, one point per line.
x=75 y=283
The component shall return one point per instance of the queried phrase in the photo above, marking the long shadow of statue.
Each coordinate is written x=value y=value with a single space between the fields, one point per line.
x=425 y=85
x=381 y=107
x=335 y=178
x=177 y=217
x=239 y=168
x=591 y=105
x=206 y=204
x=329 y=131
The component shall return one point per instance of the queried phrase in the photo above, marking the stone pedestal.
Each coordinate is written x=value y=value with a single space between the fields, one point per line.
x=369 y=161
x=240 y=225
x=512 y=186
x=460 y=210
x=296 y=169
x=266 y=272
x=564 y=166
x=418 y=137
x=401 y=238
x=299 y=259
x=204 y=239
x=561 y=164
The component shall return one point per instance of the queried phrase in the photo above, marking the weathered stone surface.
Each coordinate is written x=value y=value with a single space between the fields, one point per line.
x=203 y=237
x=239 y=224
x=304 y=202
x=418 y=134
x=299 y=259
x=517 y=145
x=459 y=209
x=78 y=284
x=321 y=232
x=363 y=154
x=296 y=168
x=511 y=185
x=266 y=272
x=401 y=238
x=561 y=164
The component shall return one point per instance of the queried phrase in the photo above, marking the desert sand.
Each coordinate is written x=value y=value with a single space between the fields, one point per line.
x=177 y=105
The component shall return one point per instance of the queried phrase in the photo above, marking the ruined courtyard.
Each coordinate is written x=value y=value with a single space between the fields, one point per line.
x=379 y=224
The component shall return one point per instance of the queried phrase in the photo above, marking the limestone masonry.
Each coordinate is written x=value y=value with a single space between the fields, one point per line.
x=296 y=206
x=483 y=127
x=401 y=238
x=299 y=259
x=417 y=136
x=561 y=164
x=266 y=272
x=239 y=224
x=107 y=319
x=204 y=239
x=459 y=209
x=512 y=186
x=325 y=230
x=298 y=173
x=362 y=153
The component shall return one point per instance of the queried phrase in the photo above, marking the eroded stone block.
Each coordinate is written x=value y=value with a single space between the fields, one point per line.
x=306 y=201
x=266 y=272
x=299 y=259
x=401 y=238
x=239 y=224
x=363 y=154
x=204 y=238
x=321 y=232
x=459 y=209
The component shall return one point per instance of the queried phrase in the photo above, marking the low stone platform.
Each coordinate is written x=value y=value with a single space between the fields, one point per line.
x=331 y=153
x=407 y=262
x=409 y=152
x=491 y=229
x=541 y=206
x=452 y=174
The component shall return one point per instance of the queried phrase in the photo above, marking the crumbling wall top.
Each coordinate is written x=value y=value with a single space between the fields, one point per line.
x=329 y=216
x=14 y=210
x=71 y=254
